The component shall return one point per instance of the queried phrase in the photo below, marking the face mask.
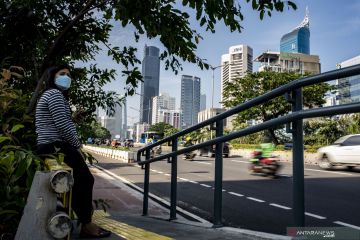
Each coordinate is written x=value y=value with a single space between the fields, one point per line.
x=63 y=82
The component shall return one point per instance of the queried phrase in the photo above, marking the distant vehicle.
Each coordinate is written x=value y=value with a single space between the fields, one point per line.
x=128 y=143
x=155 y=136
x=115 y=143
x=210 y=150
x=343 y=152
x=288 y=146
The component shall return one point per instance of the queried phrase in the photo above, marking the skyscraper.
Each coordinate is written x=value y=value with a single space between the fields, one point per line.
x=163 y=101
x=202 y=102
x=235 y=64
x=348 y=87
x=190 y=100
x=150 y=85
x=298 y=40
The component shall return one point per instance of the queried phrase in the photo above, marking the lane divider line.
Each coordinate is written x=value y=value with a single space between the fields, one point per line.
x=204 y=163
x=255 y=199
x=239 y=161
x=307 y=169
x=314 y=215
x=205 y=185
x=279 y=206
x=166 y=174
x=236 y=194
x=347 y=225
x=324 y=171
x=192 y=181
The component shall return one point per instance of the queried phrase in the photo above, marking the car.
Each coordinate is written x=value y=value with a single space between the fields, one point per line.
x=128 y=143
x=210 y=150
x=343 y=152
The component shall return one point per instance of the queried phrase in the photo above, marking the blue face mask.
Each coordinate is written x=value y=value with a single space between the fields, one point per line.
x=63 y=82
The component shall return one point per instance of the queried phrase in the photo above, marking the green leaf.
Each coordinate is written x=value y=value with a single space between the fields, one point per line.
x=2 y=139
x=17 y=127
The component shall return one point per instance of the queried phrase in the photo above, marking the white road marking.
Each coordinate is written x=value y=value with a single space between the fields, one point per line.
x=153 y=196
x=166 y=174
x=347 y=225
x=279 y=206
x=307 y=169
x=205 y=185
x=160 y=172
x=316 y=170
x=204 y=163
x=314 y=215
x=255 y=199
x=224 y=190
x=236 y=194
x=187 y=180
x=238 y=161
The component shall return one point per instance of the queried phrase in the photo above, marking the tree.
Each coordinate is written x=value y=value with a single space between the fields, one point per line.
x=163 y=128
x=36 y=34
x=255 y=84
x=94 y=130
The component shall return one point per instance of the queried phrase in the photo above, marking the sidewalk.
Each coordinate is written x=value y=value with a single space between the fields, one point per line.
x=124 y=217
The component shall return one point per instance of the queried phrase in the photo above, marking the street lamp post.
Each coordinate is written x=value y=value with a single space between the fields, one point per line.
x=213 y=80
x=212 y=90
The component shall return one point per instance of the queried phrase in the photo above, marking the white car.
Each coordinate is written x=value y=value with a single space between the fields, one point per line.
x=343 y=152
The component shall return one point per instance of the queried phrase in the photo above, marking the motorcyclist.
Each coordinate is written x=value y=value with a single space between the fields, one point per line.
x=188 y=143
x=264 y=150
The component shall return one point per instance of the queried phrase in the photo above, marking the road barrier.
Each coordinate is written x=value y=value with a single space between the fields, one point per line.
x=123 y=156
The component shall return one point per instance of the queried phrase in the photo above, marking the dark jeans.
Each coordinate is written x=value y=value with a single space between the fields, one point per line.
x=83 y=179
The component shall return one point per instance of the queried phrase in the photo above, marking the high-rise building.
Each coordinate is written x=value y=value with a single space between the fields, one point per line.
x=209 y=113
x=298 y=40
x=235 y=64
x=190 y=100
x=163 y=101
x=348 y=87
x=150 y=85
x=172 y=117
x=202 y=102
x=114 y=123
x=289 y=62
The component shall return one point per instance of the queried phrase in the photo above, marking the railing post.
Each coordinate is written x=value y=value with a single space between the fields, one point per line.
x=218 y=175
x=173 y=180
x=298 y=161
x=146 y=184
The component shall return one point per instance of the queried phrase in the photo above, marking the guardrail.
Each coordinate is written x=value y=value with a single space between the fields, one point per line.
x=293 y=93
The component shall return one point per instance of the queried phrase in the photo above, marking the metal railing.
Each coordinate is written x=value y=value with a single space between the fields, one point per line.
x=293 y=93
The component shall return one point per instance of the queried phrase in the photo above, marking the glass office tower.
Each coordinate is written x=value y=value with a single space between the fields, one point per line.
x=150 y=85
x=190 y=100
x=298 y=40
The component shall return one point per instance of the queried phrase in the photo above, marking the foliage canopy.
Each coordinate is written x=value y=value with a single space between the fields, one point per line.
x=252 y=85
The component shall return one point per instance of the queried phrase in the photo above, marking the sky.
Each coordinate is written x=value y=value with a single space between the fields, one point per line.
x=334 y=36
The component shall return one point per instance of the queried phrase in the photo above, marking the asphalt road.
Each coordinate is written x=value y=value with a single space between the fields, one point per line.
x=251 y=201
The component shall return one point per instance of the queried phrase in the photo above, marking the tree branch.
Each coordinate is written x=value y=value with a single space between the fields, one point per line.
x=51 y=52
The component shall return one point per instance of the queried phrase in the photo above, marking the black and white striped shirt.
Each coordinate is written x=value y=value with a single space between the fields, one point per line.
x=53 y=119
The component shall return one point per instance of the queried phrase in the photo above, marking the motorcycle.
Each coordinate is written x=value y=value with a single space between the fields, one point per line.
x=268 y=166
x=189 y=156
x=156 y=151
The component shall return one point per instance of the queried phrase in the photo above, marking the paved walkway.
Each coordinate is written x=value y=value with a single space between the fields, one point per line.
x=124 y=217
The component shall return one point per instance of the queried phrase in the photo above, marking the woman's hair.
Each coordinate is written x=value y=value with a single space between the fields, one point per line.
x=49 y=75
